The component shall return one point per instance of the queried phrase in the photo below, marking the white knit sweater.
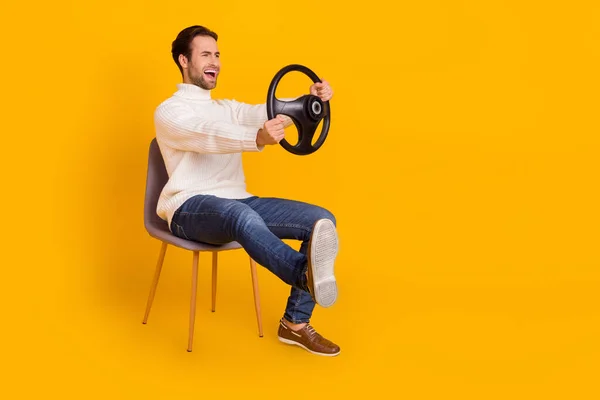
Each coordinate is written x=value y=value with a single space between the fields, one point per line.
x=201 y=141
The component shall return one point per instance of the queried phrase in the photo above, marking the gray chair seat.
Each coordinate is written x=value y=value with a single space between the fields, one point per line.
x=160 y=230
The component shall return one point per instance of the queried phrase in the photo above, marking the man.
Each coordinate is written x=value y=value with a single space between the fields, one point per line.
x=205 y=199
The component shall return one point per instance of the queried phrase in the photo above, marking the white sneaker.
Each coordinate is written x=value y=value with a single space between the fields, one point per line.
x=322 y=251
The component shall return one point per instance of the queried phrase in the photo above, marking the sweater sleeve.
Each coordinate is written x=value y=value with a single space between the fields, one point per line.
x=254 y=115
x=180 y=128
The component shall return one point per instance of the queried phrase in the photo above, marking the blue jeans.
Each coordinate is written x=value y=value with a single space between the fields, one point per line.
x=258 y=224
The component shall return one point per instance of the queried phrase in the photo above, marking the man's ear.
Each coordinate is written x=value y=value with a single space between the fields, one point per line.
x=183 y=61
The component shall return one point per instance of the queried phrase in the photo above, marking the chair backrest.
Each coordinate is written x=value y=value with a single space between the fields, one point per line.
x=156 y=179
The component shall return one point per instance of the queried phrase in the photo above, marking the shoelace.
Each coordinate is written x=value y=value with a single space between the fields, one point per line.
x=311 y=330
x=314 y=335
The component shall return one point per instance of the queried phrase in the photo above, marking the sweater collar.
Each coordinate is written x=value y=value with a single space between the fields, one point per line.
x=190 y=91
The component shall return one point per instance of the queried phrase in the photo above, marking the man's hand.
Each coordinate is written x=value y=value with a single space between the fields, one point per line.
x=272 y=131
x=321 y=90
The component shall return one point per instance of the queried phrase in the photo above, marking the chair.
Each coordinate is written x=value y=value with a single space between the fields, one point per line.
x=156 y=179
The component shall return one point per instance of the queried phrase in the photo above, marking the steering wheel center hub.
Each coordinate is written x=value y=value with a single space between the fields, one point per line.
x=316 y=108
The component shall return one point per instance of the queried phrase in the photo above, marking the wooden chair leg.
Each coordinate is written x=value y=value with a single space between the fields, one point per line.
x=159 y=264
x=214 y=280
x=193 y=299
x=256 y=296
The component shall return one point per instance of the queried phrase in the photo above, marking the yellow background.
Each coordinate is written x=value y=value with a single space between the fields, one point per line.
x=462 y=164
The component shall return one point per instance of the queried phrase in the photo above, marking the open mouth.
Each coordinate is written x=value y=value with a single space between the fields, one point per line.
x=211 y=73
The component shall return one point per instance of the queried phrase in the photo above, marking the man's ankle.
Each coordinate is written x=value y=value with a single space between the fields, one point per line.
x=292 y=326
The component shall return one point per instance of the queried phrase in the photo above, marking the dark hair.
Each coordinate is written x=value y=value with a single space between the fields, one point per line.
x=181 y=44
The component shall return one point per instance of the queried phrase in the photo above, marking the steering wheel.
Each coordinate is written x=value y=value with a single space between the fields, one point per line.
x=306 y=112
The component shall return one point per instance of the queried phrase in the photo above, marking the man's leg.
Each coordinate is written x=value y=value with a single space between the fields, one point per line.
x=289 y=219
x=215 y=220
x=300 y=304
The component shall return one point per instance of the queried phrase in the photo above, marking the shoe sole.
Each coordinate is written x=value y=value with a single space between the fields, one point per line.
x=287 y=341
x=323 y=249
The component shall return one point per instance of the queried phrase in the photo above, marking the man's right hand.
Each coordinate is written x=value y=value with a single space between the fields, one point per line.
x=272 y=131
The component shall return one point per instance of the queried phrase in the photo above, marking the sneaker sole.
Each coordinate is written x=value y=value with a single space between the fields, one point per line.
x=323 y=250
x=287 y=341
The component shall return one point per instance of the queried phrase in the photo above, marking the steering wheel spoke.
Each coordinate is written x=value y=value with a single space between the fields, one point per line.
x=293 y=108
x=306 y=132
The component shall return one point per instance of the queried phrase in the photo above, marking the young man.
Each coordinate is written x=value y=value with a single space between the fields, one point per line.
x=205 y=199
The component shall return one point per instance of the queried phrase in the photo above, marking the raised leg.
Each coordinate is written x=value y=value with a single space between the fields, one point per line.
x=289 y=219
x=193 y=299
x=256 y=295
x=159 y=264
x=214 y=279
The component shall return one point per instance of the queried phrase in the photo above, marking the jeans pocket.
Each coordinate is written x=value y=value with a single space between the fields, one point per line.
x=179 y=232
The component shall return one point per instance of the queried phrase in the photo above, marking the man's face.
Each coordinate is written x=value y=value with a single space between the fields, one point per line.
x=203 y=67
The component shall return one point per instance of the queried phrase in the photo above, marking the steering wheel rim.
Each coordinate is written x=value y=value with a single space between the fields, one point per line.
x=306 y=112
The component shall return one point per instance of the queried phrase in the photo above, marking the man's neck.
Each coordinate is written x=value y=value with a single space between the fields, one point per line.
x=191 y=91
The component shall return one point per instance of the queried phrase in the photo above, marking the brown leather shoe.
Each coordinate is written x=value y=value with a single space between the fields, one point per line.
x=322 y=251
x=308 y=339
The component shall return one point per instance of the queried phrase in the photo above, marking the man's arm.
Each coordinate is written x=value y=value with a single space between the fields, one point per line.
x=254 y=115
x=180 y=128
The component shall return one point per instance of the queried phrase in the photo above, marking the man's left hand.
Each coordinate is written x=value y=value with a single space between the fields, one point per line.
x=322 y=90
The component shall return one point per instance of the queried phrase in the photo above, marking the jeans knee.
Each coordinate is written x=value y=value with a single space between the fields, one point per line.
x=326 y=214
